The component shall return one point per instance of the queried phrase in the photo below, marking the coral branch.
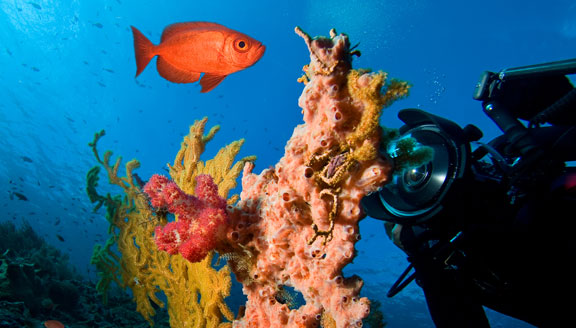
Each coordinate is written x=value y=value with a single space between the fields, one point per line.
x=201 y=220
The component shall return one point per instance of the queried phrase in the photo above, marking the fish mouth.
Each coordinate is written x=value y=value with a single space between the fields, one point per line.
x=260 y=51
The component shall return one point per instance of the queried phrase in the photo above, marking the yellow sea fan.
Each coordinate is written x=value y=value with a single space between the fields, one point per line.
x=187 y=164
x=195 y=292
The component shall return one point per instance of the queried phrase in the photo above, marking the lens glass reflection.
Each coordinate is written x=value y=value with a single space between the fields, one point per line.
x=416 y=177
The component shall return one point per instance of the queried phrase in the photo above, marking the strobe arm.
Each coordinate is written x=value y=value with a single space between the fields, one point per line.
x=490 y=81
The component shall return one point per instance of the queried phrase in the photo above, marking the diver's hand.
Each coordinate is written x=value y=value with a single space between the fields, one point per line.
x=393 y=231
x=396 y=231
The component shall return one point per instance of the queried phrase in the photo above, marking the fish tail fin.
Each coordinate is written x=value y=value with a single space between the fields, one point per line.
x=144 y=50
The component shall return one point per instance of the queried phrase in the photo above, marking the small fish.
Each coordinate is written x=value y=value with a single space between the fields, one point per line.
x=188 y=49
x=26 y=159
x=53 y=324
x=57 y=222
x=18 y=195
x=98 y=25
x=35 y=5
x=60 y=238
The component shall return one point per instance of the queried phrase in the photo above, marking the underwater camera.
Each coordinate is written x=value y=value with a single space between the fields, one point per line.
x=461 y=181
x=469 y=182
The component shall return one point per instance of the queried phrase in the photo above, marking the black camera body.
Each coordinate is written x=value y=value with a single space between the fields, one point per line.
x=521 y=159
x=468 y=182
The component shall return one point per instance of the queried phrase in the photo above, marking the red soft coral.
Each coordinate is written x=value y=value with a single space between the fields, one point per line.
x=201 y=219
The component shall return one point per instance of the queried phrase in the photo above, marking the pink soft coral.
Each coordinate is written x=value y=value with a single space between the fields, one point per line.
x=201 y=219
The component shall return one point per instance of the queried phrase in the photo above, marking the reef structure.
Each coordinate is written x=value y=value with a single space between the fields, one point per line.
x=299 y=220
x=296 y=224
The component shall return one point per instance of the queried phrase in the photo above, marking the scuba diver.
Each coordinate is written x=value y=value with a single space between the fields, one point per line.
x=492 y=226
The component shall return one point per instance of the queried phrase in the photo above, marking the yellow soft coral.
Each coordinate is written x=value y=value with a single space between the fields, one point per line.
x=370 y=89
x=195 y=291
x=132 y=231
x=224 y=171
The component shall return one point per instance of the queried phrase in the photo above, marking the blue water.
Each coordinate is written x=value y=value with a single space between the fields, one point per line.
x=67 y=70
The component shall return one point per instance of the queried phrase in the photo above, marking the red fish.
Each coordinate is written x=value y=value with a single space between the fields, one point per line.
x=53 y=324
x=188 y=49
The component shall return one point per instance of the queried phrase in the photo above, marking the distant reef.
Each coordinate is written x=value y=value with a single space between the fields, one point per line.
x=37 y=283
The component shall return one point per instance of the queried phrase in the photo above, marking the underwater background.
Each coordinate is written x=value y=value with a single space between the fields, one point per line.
x=67 y=71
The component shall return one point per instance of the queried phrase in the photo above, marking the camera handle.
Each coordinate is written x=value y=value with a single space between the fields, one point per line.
x=517 y=133
x=518 y=137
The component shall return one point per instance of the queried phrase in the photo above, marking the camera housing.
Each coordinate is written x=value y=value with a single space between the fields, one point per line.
x=463 y=183
x=418 y=194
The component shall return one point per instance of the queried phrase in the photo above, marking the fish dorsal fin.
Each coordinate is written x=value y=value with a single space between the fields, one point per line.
x=173 y=74
x=210 y=81
x=176 y=28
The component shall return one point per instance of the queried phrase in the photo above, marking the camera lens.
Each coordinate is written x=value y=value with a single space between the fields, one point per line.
x=417 y=194
x=417 y=177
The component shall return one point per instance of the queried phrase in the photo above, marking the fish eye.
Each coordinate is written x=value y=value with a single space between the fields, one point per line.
x=241 y=45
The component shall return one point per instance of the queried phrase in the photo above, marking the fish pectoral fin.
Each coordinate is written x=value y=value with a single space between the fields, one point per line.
x=210 y=81
x=174 y=74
